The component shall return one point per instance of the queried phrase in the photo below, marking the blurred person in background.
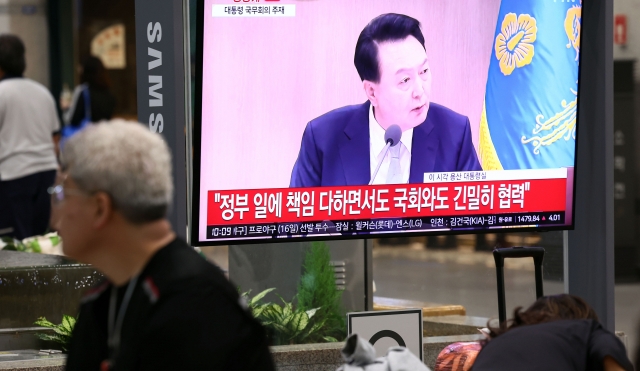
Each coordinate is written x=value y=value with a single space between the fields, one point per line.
x=559 y=332
x=94 y=88
x=29 y=126
x=162 y=306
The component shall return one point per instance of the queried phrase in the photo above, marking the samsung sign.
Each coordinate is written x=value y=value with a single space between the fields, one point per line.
x=154 y=34
x=161 y=87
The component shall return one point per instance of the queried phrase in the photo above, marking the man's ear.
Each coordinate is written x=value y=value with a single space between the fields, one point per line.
x=103 y=209
x=370 y=89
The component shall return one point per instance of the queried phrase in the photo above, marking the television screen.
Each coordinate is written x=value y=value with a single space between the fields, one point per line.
x=359 y=118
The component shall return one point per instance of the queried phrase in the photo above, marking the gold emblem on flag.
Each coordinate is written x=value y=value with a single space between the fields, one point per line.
x=561 y=126
x=514 y=44
x=572 y=28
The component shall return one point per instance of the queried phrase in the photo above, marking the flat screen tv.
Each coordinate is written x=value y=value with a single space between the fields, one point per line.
x=335 y=119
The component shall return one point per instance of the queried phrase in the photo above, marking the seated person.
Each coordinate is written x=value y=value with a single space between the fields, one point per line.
x=344 y=146
x=558 y=332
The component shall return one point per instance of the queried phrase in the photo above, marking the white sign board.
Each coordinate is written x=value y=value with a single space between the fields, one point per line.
x=389 y=328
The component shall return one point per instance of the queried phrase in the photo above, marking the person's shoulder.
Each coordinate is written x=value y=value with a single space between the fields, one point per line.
x=557 y=324
x=185 y=261
x=556 y=333
x=586 y=324
x=191 y=299
x=556 y=330
x=13 y=85
x=99 y=91
x=26 y=86
x=179 y=268
x=339 y=117
x=442 y=113
x=96 y=294
x=35 y=86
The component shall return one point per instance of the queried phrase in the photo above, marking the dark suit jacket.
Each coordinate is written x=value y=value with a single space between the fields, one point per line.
x=335 y=147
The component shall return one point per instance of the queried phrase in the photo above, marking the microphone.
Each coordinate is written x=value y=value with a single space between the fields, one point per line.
x=392 y=137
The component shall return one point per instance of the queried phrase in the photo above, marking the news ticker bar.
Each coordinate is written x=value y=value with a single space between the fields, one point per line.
x=386 y=225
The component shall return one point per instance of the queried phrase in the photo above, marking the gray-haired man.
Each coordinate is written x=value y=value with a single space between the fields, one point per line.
x=163 y=307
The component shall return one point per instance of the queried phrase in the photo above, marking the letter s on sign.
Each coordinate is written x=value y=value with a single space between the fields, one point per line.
x=154 y=32
x=156 y=123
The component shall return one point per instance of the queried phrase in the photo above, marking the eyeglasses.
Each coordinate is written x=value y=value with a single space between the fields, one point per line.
x=58 y=193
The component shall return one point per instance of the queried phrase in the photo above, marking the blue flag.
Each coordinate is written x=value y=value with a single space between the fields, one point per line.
x=529 y=115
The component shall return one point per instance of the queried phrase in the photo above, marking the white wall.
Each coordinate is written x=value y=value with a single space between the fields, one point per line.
x=28 y=20
x=4 y=17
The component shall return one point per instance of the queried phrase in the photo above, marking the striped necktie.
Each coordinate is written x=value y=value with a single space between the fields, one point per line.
x=394 y=175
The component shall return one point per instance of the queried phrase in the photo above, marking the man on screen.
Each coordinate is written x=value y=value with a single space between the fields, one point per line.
x=344 y=146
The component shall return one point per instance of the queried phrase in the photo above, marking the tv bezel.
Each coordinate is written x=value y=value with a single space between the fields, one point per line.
x=196 y=153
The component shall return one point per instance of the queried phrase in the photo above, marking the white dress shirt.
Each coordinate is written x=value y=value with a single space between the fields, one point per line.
x=376 y=146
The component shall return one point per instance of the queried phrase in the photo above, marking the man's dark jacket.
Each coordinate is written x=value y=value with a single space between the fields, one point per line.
x=184 y=315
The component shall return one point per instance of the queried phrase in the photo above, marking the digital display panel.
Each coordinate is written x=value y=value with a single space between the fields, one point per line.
x=369 y=118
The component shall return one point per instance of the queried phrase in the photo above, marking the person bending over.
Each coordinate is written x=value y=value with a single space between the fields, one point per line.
x=560 y=332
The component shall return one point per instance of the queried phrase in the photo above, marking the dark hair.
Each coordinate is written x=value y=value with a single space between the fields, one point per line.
x=385 y=27
x=12 y=60
x=94 y=73
x=548 y=309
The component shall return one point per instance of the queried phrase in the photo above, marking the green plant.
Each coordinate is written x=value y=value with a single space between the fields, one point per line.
x=62 y=332
x=288 y=325
x=318 y=315
x=254 y=305
x=317 y=289
x=12 y=244
x=31 y=244
x=284 y=323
